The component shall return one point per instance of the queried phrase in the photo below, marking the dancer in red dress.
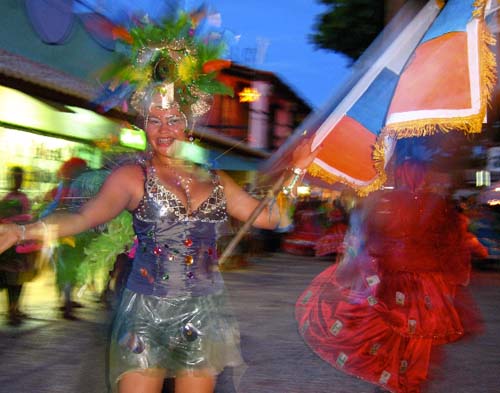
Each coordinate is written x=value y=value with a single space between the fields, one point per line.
x=378 y=313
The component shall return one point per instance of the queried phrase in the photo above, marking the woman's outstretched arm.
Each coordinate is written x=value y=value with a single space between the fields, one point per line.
x=120 y=191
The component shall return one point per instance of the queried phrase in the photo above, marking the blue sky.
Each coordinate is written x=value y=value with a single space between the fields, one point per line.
x=273 y=37
x=278 y=31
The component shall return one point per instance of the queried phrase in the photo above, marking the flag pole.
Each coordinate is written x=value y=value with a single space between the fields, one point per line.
x=246 y=226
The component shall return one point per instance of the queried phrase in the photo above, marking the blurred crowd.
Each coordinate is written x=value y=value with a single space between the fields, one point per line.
x=72 y=259
x=319 y=229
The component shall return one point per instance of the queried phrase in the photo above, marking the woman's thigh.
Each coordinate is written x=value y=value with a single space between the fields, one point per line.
x=138 y=382
x=194 y=384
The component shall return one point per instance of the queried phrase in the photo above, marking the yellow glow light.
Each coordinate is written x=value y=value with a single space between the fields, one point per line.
x=303 y=190
x=249 y=94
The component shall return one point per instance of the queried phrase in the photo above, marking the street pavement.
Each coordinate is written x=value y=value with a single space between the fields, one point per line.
x=50 y=355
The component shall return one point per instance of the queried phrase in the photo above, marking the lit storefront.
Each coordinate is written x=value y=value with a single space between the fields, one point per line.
x=40 y=156
x=39 y=137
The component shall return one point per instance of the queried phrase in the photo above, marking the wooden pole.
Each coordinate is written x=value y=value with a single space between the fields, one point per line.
x=246 y=226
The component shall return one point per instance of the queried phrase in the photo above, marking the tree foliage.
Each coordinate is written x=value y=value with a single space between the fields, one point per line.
x=348 y=26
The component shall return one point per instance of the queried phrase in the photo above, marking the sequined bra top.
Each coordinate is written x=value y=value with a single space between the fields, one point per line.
x=176 y=252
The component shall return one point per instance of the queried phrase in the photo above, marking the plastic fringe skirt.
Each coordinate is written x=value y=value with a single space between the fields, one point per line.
x=173 y=336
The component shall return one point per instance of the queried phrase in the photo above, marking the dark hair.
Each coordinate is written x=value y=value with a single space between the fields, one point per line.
x=17 y=170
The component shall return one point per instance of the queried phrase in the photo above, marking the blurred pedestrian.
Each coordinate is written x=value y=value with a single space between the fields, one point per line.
x=70 y=250
x=15 y=268
x=380 y=311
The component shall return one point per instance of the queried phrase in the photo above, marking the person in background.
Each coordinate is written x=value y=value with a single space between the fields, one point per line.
x=15 y=268
x=396 y=292
x=69 y=252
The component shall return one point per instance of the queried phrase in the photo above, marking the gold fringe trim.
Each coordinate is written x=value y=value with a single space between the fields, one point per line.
x=469 y=124
x=488 y=64
x=418 y=128
x=440 y=3
x=479 y=7
x=376 y=184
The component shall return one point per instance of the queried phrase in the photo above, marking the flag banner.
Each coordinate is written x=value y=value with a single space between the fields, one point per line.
x=436 y=75
x=448 y=81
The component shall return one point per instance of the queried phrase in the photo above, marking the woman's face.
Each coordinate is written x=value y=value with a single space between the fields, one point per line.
x=164 y=127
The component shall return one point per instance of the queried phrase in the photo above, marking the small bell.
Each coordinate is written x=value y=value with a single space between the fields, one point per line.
x=190 y=332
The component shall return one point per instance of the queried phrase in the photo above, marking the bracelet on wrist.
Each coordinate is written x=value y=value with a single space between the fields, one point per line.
x=298 y=171
x=22 y=236
x=297 y=174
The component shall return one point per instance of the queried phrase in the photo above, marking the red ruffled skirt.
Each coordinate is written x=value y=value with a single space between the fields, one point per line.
x=379 y=326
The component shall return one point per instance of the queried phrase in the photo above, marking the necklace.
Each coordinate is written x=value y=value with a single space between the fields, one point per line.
x=183 y=181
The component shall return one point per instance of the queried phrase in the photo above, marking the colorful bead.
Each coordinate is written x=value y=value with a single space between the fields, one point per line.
x=400 y=298
x=189 y=259
x=374 y=348
x=188 y=242
x=373 y=280
x=336 y=327
x=171 y=258
x=144 y=272
x=341 y=359
x=190 y=332
x=190 y=275
x=165 y=277
x=157 y=251
x=133 y=342
x=384 y=377
x=412 y=326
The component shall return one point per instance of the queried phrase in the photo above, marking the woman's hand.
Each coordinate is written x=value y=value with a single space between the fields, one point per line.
x=9 y=236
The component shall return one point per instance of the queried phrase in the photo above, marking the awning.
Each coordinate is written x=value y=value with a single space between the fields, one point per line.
x=22 y=111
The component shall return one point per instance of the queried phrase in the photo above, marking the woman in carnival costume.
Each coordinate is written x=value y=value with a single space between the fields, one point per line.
x=173 y=321
x=394 y=295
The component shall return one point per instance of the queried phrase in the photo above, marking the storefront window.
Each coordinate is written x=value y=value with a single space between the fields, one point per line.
x=40 y=156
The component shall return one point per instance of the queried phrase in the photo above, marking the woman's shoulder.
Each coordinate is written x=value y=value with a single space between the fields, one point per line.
x=129 y=173
x=129 y=169
x=222 y=178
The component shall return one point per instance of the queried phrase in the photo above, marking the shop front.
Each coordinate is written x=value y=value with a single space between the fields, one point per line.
x=39 y=136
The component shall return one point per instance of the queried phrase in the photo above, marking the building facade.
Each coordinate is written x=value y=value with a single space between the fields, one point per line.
x=50 y=59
